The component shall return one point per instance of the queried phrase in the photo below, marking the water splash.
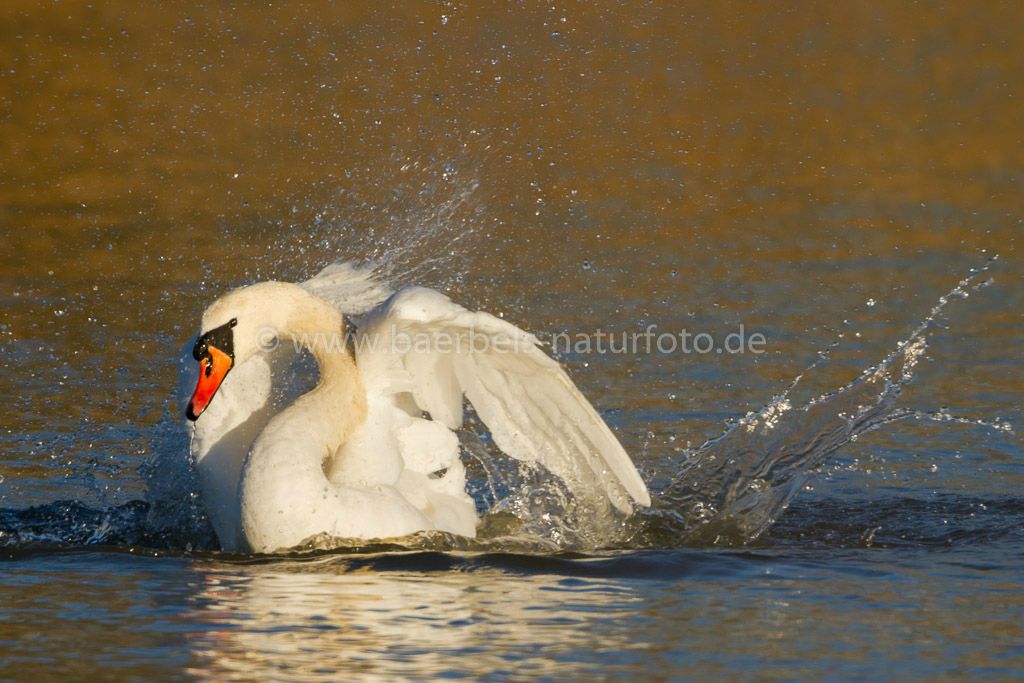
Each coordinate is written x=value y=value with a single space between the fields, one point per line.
x=415 y=221
x=731 y=489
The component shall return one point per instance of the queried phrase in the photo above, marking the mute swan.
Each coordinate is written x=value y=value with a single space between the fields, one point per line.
x=371 y=451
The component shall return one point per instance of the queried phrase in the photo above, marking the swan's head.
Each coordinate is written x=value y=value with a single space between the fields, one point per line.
x=245 y=322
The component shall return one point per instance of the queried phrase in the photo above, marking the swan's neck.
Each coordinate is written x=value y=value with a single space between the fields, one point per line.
x=338 y=402
x=285 y=467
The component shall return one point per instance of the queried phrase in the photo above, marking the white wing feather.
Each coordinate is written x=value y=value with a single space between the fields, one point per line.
x=352 y=289
x=422 y=343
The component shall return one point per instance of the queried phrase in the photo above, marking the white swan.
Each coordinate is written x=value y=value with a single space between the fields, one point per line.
x=371 y=451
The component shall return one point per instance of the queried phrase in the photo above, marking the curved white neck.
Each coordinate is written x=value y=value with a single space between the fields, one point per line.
x=338 y=402
x=290 y=453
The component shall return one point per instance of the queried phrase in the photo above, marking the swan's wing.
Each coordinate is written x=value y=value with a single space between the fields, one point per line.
x=352 y=289
x=422 y=344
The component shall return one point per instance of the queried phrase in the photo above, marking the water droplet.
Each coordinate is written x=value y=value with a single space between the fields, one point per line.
x=870 y=303
x=586 y=264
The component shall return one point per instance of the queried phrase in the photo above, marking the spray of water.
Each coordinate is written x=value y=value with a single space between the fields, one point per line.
x=414 y=222
x=733 y=488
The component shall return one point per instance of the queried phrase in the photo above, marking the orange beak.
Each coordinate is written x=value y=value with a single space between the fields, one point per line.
x=213 y=368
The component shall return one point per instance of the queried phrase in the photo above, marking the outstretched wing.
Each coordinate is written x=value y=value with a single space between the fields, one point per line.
x=422 y=344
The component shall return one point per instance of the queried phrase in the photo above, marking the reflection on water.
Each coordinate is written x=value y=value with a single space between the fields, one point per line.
x=392 y=619
x=325 y=620
x=776 y=614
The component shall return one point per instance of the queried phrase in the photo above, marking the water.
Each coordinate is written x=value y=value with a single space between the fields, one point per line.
x=820 y=177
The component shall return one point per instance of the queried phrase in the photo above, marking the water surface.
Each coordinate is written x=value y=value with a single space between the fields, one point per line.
x=818 y=175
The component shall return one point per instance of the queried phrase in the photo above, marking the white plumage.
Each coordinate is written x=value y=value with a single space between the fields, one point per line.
x=371 y=451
